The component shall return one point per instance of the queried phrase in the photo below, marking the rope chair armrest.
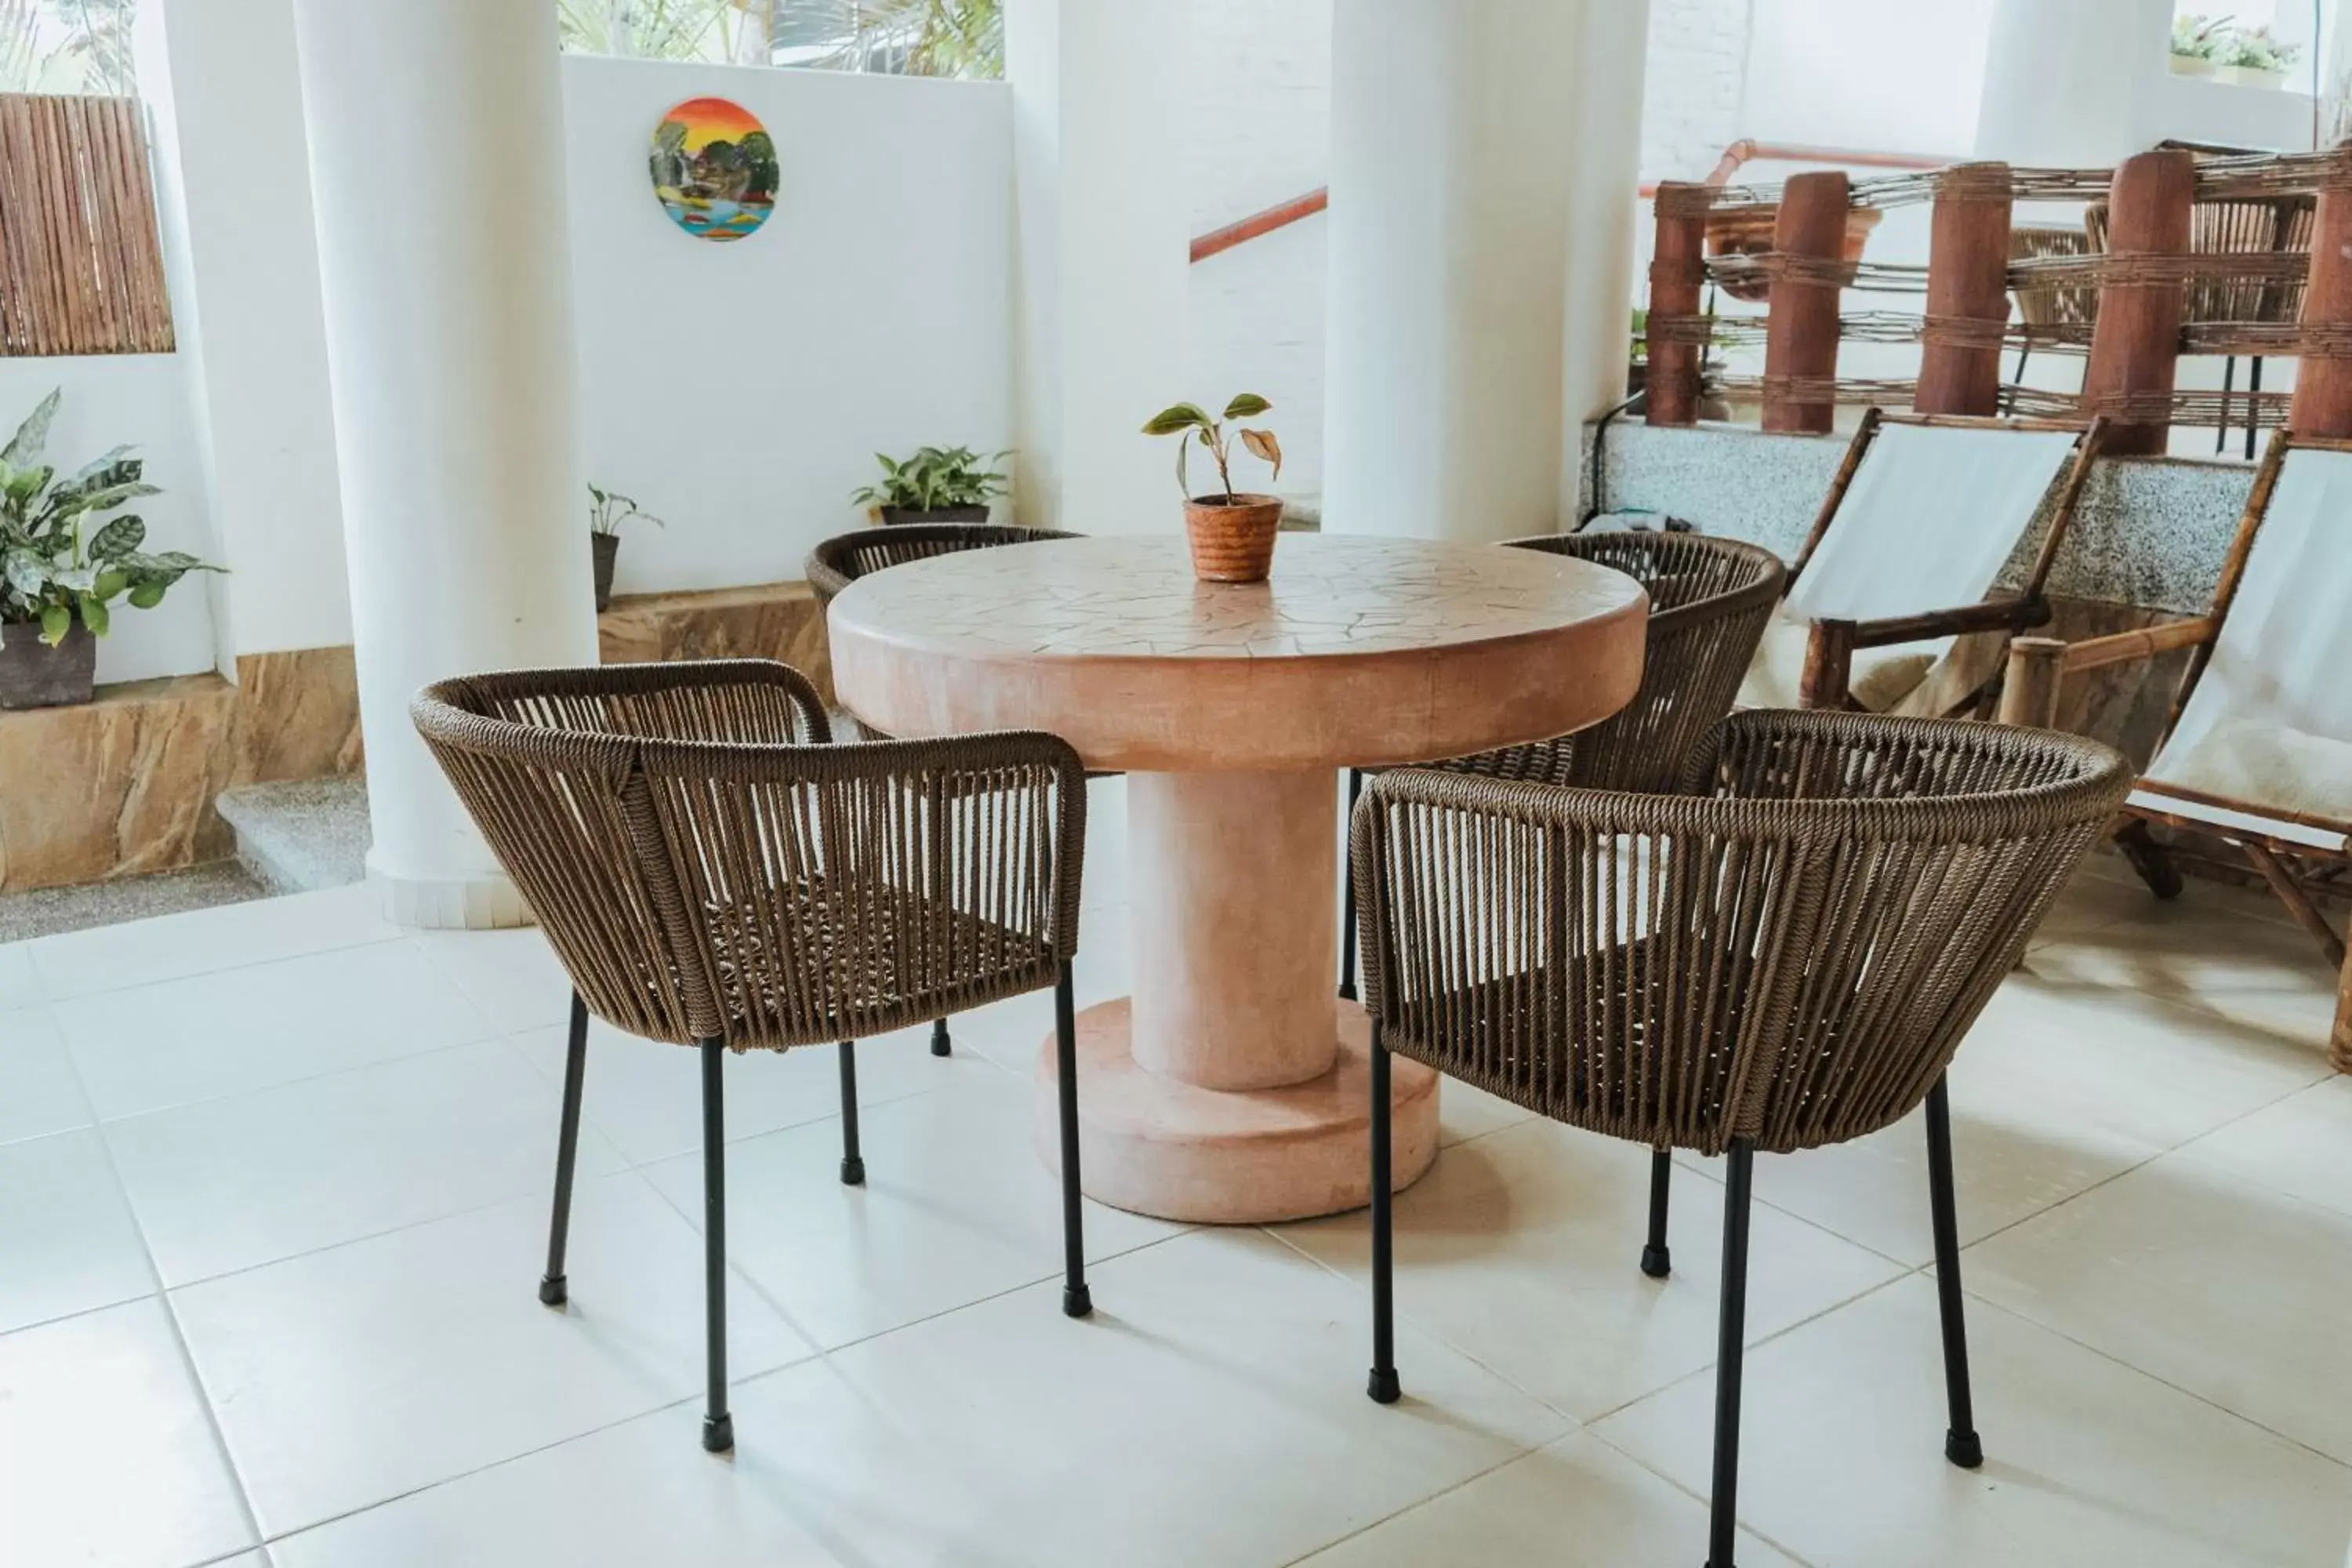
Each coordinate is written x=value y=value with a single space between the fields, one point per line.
x=714 y=699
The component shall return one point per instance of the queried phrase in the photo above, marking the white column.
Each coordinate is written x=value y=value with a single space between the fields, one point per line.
x=2073 y=85
x=1468 y=137
x=437 y=136
x=1101 y=286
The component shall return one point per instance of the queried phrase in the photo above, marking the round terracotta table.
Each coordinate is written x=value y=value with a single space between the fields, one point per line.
x=1233 y=1085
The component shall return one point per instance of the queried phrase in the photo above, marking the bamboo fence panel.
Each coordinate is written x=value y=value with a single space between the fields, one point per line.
x=81 y=261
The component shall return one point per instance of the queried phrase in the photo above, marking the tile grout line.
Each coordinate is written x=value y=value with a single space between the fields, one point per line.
x=163 y=1299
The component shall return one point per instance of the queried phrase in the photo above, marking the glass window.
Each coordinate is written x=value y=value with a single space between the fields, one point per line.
x=67 y=46
x=914 y=37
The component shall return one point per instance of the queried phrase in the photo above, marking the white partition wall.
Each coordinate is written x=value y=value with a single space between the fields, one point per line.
x=435 y=132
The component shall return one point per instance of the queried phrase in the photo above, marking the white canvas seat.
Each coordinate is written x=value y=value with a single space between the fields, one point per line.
x=1930 y=515
x=2259 y=748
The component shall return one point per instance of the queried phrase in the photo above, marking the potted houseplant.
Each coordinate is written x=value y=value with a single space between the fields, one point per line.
x=2251 y=57
x=1232 y=533
x=2196 y=41
x=938 y=484
x=62 y=569
x=607 y=510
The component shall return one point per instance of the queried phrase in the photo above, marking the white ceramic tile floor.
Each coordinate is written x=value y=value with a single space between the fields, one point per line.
x=331 y=1143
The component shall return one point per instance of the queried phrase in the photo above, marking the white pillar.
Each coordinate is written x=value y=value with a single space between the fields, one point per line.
x=437 y=136
x=1101 y=286
x=2073 y=85
x=1467 y=138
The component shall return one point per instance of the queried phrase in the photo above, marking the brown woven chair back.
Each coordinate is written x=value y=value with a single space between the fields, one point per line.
x=1710 y=599
x=838 y=562
x=1788 y=953
x=2251 y=224
x=706 y=866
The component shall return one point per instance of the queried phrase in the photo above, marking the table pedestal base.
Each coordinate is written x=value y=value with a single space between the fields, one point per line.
x=1158 y=1146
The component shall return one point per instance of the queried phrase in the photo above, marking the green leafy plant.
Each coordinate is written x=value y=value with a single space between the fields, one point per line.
x=2198 y=37
x=1188 y=422
x=607 y=510
x=2253 y=48
x=934 y=477
x=53 y=567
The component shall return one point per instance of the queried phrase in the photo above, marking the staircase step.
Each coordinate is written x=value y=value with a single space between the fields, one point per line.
x=300 y=837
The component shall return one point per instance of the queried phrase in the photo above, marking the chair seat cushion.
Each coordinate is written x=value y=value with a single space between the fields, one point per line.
x=1882 y=677
x=2266 y=766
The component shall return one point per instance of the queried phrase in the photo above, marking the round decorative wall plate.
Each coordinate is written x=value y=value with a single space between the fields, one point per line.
x=714 y=168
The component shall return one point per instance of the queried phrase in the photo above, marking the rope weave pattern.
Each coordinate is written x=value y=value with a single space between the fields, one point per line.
x=838 y=562
x=1789 y=951
x=706 y=864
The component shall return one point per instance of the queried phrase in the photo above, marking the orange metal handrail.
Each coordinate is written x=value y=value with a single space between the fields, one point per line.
x=1218 y=240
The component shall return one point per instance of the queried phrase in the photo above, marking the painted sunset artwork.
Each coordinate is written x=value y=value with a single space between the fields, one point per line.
x=714 y=168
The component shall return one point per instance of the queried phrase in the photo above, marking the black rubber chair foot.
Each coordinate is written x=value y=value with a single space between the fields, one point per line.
x=1077 y=1301
x=940 y=1045
x=718 y=1433
x=1657 y=1262
x=553 y=1290
x=1384 y=1387
x=853 y=1171
x=1964 y=1449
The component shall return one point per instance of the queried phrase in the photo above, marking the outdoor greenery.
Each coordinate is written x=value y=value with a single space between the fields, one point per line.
x=934 y=477
x=913 y=38
x=1188 y=422
x=66 y=45
x=2223 y=41
x=52 y=570
x=607 y=510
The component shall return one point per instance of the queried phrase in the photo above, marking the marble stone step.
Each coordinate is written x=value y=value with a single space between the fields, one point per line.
x=300 y=837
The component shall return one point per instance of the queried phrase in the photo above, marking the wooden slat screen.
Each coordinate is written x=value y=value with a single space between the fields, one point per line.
x=82 y=268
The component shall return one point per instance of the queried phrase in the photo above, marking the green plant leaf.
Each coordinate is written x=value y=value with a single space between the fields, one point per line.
x=55 y=621
x=26 y=573
x=93 y=614
x=1182 y=417
x=147 y=594
x=110 y=583
x=24 y=484
x=121 y=537
x=24 y=448
x=1246 y=404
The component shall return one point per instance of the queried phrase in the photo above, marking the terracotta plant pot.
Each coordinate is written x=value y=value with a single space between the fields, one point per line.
x=35 y=675
x=608 y=548
x=978 y=513
x=1751 y=234
x=1233 y=542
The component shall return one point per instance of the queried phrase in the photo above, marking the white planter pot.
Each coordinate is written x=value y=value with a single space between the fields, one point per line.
x=2247 y=76
x=2192 y=65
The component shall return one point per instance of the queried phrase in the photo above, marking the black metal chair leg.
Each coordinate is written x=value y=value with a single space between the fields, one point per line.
x=1076 y=1300
x=2253 y=403
x=940 y=1045
x=1656 y=1262
x=1961 y=1445
x=554 y=1289
x=2221 y=436
x=1723 y=1515
x=1383 y=1384
x=717 y=1426
x=853 y=1164
x=1347 y=901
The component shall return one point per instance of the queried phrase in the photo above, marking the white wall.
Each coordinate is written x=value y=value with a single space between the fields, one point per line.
x=139 y=400
x=1696 y=78
x=740 y=390
x=1867 y=73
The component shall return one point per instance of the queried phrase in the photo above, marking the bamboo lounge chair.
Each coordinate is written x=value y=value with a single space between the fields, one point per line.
x=2258 y=747
x=1923 y=514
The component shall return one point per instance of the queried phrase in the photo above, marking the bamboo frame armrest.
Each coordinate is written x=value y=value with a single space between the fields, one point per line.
x=2121 y=647
x=1985 y=615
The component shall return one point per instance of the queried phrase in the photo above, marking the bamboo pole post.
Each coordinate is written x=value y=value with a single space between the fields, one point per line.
x=1967 y=293
x=2322 y=382
x=1828 y=678
x=2029 y=695
x=1677 y=274
x=1800 y=334
x=2135 y=346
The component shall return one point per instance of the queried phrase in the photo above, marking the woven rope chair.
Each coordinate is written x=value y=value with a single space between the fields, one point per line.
x=2065 y=311
x=1783 y=956
x=711 y=872
x=1710 y=599
x=838 y=562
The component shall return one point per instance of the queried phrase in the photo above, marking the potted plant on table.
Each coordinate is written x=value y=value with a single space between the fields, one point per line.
x=938 y=484
x=2251 y=57
x=1232 y=533
x=607 y=510
x=61 y=570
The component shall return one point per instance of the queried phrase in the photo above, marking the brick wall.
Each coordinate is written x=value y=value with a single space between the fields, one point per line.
x=1696 y=78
